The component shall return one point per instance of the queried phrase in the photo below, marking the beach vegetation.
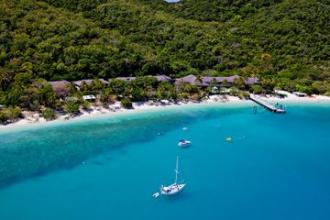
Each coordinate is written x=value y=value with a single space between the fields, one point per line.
x=118 y=87
x=10 y=114
x=256 y=89
x=242 y=94
x=239 y=83
x=86 y=105
x=107 y=96
x=72 y=107
x=126 y=103
x=304 y=89
x=166 y=90
x=48 y=114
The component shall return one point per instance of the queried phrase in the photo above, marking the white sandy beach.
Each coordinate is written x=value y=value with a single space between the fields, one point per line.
x=291 y=98
x=115 y=109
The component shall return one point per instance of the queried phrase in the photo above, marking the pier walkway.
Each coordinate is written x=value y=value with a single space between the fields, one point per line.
x=266 y=105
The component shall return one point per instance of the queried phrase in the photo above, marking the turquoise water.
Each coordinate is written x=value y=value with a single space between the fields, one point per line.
x=277 y=166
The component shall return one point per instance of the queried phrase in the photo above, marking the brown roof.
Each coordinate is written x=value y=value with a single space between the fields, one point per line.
x=191 y=79
x=251 y=80
x=61 y=87
x=206 y=80
x=126 y=78
x=162 y=78
x=88 y=82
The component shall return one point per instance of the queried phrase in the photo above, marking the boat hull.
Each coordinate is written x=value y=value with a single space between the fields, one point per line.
x=184 y=144
x=172 y=189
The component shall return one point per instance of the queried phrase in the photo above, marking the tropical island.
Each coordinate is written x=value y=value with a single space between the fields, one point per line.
x=164 y=109
x=62 y=57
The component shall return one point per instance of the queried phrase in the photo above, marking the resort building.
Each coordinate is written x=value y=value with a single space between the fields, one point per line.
x=163 y=78
x=251 y=81
x=127 y=79
x=190 y=79
x=159 y=78
x=89 y=97
x=206 y=81
x=61 y=87
x=88 y=82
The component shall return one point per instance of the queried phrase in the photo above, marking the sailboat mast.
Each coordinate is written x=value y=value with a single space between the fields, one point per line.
x=176 y=170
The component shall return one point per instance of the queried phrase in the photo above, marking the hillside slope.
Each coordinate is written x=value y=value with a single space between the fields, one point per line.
x=57 y=44
x=283 y=41
x=212 y=10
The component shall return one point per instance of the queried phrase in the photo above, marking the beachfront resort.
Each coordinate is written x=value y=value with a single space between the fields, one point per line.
x=54 y=98
x=66 y=99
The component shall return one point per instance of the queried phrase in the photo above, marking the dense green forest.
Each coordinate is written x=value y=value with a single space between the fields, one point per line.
x=214 y=10
x=284 y=42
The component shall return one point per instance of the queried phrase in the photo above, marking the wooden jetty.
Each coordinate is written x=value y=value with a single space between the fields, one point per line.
x=266 y=105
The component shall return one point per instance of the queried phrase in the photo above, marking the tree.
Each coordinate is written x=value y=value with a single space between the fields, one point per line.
x=165 y=90
x=96 y=85
x=48 y=114
x=107 y=96
x=118 y=86
x=6 y=77
x=13 y=95
x=305 y=89
x=318 y=87
x=86 y=105
x=72 y=107
x=10 y=114
x=225 y=84
x=138 y=94
x=189 y=88
x=126 y=103
x=46 y=94
x=256 y=89
x=84 y=87
x=239 y=83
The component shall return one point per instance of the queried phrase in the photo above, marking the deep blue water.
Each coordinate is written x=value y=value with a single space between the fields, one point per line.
x=277 y=166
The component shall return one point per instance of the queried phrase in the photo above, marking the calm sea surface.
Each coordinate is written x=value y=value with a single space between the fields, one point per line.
x=277 y=166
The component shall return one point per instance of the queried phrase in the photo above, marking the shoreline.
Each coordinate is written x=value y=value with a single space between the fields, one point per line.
x=146 y=107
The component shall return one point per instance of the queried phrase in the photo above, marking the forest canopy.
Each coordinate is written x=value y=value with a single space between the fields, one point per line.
x=284 y=42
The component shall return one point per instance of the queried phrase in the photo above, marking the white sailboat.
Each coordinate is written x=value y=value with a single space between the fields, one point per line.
x=175 y=187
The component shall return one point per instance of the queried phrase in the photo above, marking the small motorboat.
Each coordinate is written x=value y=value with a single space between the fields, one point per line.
x=184 y=143
x=229 y=139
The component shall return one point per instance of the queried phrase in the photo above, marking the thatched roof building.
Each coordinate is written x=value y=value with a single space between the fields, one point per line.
x=205 y=81
x=61 y=87
x=78 y=83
